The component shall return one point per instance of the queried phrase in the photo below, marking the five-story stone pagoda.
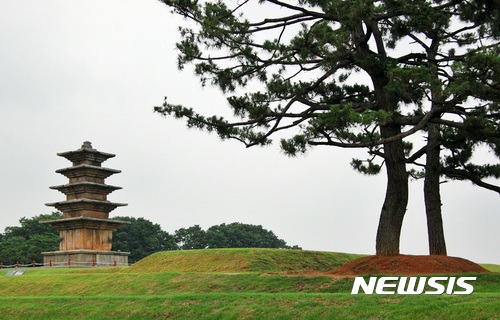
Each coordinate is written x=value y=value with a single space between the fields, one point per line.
x=85 y=229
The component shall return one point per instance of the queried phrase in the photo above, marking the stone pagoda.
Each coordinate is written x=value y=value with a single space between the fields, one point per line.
x=85 y=230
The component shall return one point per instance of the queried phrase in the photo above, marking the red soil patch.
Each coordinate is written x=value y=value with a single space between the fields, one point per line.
x=408 y=265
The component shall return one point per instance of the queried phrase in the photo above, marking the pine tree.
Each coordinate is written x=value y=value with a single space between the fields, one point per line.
x=354 y=74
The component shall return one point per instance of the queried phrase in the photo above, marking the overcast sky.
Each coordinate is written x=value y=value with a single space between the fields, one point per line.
x=72 y=71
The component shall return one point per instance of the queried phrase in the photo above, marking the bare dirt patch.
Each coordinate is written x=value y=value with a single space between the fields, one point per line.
x=407 y=265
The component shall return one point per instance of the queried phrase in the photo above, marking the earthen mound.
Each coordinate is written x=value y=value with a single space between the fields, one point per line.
x=242 y=260
x=408 y=265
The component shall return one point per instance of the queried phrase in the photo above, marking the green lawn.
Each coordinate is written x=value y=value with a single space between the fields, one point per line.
x=254 y=286
x=261 y=260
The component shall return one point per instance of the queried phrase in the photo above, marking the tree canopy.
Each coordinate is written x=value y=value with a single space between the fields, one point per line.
x=25 y=243
x=191 y=238
x=232 y=235
x=355 y=74
x=141 y=238
x=240 y=235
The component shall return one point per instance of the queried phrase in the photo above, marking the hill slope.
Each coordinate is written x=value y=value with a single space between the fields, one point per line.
x=238 y=260
x=226 y=292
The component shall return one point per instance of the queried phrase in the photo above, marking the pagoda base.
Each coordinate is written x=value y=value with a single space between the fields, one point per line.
x=85 y=258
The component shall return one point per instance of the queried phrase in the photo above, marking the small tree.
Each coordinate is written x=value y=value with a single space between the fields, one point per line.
x=307 y=55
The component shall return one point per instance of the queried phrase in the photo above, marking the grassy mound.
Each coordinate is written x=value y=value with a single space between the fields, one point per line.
x=281 y=284
x=239 y=260
x=408 y=265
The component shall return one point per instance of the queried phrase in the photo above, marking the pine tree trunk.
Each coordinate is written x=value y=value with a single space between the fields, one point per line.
x=396 y=196
x=432 y=194
x=437 y=244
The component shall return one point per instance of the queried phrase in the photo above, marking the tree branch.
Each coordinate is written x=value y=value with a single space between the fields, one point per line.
x=417 y=155
x=463 y=174
x=400 y=136
x=303 y=10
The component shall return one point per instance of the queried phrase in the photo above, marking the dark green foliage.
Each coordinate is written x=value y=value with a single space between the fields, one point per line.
x=141 y=238
x=25 y=243
x=304 y=56
x=476 y=76
x=239 y=235
x=423 y=64
x=191 y=238
x=32 y=226
x=233 y=235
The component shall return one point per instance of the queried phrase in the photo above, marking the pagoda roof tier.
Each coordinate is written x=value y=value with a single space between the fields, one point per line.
x=85 y=223
x=85 y=187
x=86 y=155
x=86 y=170
x=85 y=204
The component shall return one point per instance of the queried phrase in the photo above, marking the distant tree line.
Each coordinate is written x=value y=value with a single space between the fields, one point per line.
x=26 y=242
x=141 y=237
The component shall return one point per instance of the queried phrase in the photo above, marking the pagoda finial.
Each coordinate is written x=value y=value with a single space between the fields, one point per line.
x=87 y=145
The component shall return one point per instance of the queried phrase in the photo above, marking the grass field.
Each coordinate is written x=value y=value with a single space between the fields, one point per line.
x=227 y=284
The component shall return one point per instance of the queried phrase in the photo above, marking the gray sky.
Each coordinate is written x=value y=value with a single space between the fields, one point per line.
x=72 y=71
